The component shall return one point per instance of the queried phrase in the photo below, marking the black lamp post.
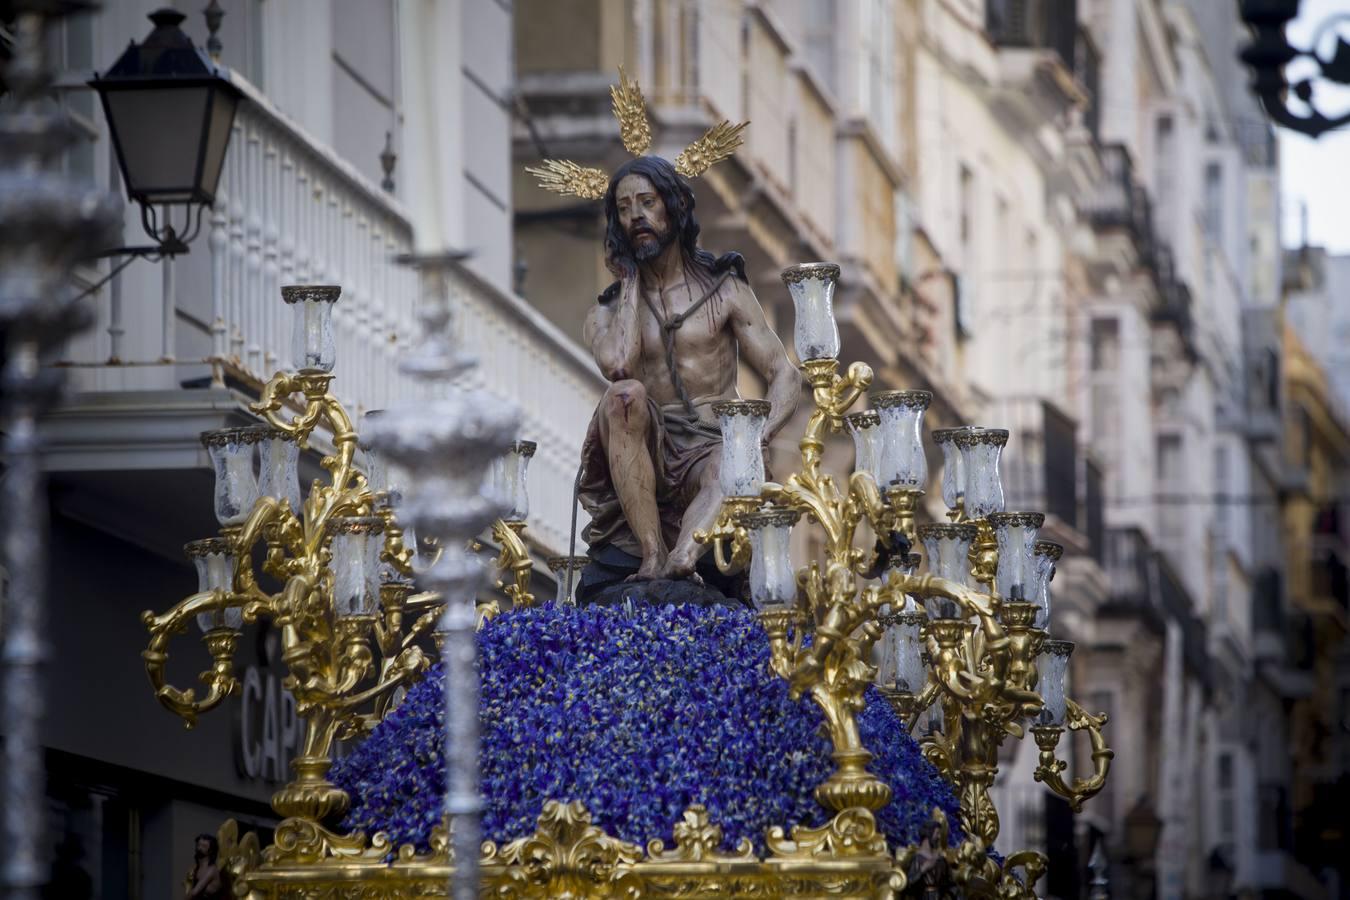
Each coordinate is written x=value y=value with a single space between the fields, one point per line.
x=170 y=111
x=1269 y=53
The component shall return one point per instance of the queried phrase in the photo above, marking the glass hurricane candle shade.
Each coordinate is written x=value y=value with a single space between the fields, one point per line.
x=947 y=545
x=1053 y=669
x=279 y=468
x=215 y=572
x=953 y=467
x=232 y=452
x=742 y=468
x=980 y=451
x=509 y=477
x=866 y=432
x=911 y=674
x=811 y=285
x=374 y=463
x=773 y=581
x=567 y=571
x=1016 y=536
x=902 y=460
x=1043 y=570
x=313 y=350
x=933 y=724
x=356 y=545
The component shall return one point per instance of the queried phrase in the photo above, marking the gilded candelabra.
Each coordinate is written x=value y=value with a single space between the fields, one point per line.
x=336 y=569
x=974 y=656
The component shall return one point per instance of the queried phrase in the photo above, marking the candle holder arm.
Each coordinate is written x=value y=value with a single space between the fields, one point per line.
x=1050 y=768
x=513 y=560
x=220 y=642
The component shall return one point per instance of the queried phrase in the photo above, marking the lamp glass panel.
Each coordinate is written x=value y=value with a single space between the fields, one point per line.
x=984 y=486
x=372 y=573
x=772 y=579
x=223 y=106
x=911 y=673
x=902 y=459
x=946 y=559
x=1042 y=567
x=883 y=657
x=1053 y=668
x=742 y=470
x=159 y=131
x=953 y=474
x=215 y=572
x=867 y=445
x=1016 y=560
x=313 y=348
x=351 y=555
x=236 y=485
x=562 y=567
x=510 y=483
x=816 y=335
x=279 y=470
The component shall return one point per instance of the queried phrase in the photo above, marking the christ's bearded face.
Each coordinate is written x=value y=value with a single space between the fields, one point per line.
x=642 y=216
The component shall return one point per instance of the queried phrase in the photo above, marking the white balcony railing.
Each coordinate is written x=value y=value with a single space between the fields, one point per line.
x=290 y=211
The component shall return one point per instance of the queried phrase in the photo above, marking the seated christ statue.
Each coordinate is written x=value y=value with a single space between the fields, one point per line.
x=668 y=336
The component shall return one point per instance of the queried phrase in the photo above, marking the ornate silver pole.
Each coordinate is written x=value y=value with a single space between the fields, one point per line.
x=46 y=224
x=446 y=442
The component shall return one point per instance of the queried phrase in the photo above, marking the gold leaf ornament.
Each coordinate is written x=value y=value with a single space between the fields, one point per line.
x=631 y=110
x=562 y=176
x=717 y=144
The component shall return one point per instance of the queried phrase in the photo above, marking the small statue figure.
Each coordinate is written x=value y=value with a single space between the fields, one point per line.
x=668 y=335
x=928 y=873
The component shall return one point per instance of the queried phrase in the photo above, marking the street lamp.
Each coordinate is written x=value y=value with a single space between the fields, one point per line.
x=170 y=111
x=1270 y=52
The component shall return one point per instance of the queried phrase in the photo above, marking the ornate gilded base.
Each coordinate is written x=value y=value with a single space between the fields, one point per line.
x=568 y=858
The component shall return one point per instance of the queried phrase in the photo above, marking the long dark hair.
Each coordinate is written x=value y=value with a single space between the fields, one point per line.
x=678 y=198
x=212 y=846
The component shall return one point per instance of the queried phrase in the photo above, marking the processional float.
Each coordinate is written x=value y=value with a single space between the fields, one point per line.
x=961 y=650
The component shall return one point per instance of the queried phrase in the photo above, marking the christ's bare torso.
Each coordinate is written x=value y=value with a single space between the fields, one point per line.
x=705 y=343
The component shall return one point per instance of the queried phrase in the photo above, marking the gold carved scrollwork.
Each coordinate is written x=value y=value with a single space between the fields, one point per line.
x=697 y=840
x=567 y=857
x=851 y=833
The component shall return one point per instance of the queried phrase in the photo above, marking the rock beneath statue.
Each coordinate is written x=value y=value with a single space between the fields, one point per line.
x=604 y=582
x=659 y=592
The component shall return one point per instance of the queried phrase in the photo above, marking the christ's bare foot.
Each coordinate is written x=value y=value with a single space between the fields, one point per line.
x=653 y=565
x=679 y=566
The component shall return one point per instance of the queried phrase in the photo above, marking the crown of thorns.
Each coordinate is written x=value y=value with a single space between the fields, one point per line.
x=562 y=176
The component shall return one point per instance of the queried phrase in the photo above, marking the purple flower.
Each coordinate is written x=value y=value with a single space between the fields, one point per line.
x=637 y=716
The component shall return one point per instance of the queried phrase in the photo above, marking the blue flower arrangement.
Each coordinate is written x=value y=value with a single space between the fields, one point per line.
x=637 y=714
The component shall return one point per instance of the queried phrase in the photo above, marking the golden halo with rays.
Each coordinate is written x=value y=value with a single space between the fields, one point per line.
x=562 y=176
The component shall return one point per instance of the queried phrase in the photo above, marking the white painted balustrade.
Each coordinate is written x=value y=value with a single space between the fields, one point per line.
x=290 y=211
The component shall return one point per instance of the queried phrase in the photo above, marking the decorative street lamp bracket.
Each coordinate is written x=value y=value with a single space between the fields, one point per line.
x=1270 y=53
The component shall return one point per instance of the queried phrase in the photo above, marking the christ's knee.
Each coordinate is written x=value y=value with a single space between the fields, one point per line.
x=625 y=406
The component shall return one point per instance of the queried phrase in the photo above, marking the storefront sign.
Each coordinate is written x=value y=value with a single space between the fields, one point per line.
x=266 y=727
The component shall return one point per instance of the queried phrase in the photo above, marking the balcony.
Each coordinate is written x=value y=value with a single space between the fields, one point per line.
x=290 y=210
x=1174 y=297
x=1040 y=71
x=1126 y=557
x=1034 y=24
x=1119 y=203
